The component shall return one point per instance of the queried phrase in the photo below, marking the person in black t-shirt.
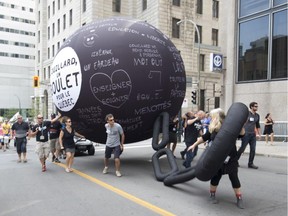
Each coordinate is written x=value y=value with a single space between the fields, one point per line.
x=192 y=132
x=54 y=132
x=41 y=131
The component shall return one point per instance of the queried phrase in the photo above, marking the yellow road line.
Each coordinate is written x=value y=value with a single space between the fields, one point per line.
x=121 y=193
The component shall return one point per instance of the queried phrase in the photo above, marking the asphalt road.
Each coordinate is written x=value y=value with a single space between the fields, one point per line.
x=25 y=190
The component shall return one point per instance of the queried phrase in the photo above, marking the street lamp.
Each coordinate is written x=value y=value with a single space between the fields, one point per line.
x=198 y=37
x=19 y=102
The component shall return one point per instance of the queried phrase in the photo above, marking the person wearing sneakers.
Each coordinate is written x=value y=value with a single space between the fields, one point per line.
x=41 y=131
x=66 y=140
x=230 y=165
x=113 y=143
x=20 y=130
x=252 y=130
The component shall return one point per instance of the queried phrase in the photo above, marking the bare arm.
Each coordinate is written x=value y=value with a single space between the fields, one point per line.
x=198 y=142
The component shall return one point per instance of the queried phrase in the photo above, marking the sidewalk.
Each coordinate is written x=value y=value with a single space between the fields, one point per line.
x=279 y=149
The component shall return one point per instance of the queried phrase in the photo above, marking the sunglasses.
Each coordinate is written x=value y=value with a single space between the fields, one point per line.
x=111 y=120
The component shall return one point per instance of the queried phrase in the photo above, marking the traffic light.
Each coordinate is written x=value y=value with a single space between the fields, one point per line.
x=35 y=81
x=193 y=96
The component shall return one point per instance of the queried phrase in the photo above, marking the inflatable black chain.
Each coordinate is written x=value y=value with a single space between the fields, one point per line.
x=214 y=156
x=160 y=147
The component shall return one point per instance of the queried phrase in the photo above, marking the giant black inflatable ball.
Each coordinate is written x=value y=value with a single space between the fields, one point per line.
x=119 y=66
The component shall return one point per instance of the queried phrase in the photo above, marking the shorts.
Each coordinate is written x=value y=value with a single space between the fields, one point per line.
x=42 y=149
x=71 y=150
x=114 y=150
x=54 y=145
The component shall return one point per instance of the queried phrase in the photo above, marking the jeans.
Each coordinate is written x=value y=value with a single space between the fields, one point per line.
x=189 y=157
x=251 y=139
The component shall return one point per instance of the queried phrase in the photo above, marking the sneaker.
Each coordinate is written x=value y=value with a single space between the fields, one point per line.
x=240 y=203
x=67 y=170
x=252 y=166
x=105 y=170
x=56 y=160
x=213 y=199
x=43 y=168
x=118 y=174
x=25 y=161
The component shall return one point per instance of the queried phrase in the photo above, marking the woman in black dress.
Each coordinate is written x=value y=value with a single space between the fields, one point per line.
x=268 y=129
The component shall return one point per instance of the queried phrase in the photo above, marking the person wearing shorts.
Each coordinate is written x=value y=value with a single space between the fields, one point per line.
x=113 y=144
x=66 y=140
x=41 y=131
x=20 y=130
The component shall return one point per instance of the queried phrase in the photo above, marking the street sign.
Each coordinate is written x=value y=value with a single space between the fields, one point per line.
x=216 y=62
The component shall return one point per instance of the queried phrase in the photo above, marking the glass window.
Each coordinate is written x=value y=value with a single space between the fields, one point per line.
x=53 y=29
x=202 y=62
x=279 y=2
x=279 y=45
x=48 y=31
x=215 y=37
x=175 y=28
x=58 y=4
x=64 y=21
x=144 y=5
x=48 y=12
x=84 y=6
x=53 y=7
x=215 y=9
x=200 y=34
x=199 y=6
x=116 y=5
x=176 y=3
x=253 y=49
x=70 y=17
x=58 y=26
x=251 y=6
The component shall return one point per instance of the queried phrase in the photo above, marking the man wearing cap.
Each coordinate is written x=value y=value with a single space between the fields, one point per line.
x=41 y=131
x=54 y=132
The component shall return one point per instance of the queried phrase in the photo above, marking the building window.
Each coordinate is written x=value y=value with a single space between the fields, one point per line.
x=116 y=6
x=215 y=37
x=38 y=56
x=53 y=29
x=58 y=45
x=70 y=17
x=176 y=3
x=48 y=52
x=48 y=32
x=263 y=54
x=175 y=28
x=64 y=21
x=217 y=102
x=215 y=9
x=200 y=34
x=202 y=62
x=45 y=75
x=144 y=5
x=199 y=6
x=58 y=26
x=39 y=17
x=279 y=45
x=49 y=72
x=58 y=4
x=253 y=49
x=48 y=12
x=53 y=50
x=39 y=36
x=64 y=2
x=84 y=6
x=53 y=7
x=248 y=7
